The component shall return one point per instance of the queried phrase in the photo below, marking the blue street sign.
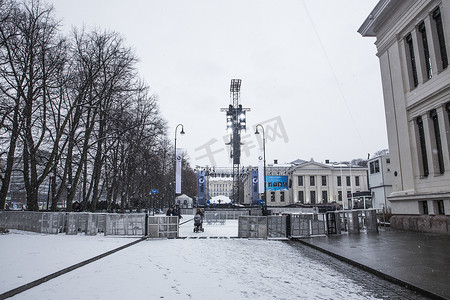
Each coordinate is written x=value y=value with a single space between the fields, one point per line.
x=154 y=191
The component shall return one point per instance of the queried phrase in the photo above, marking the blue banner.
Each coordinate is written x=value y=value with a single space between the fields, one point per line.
x=277 y=183
x=255 y=189
x=201 y=188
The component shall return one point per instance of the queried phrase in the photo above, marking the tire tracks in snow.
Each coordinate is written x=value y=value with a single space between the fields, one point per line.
x=39 y=281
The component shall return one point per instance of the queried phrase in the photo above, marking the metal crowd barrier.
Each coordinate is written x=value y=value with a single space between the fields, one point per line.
x=163 y=227
x=47 y=222
x=125 y=224
x=304 y=225
x=252 y=227
x=215 y=217
x=277 y=227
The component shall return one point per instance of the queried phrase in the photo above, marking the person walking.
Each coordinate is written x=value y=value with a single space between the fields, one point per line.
x=169 y=212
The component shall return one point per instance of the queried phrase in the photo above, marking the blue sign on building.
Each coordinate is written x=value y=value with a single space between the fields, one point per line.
x=277 y=183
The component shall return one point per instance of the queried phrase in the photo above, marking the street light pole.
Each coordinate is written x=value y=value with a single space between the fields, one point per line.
x=264 y=154
x=175 y=161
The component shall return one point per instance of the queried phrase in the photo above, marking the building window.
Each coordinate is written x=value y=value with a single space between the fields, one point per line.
x=414 y=82
x=447 y=129
x=425 y=53
x=324 y=180
x=324 y=197
x=281 y=196
x=339 y=195
x=442 y=53
x=313 y=197
x=374 y=167
x=312 y=181
x=437 y=140
x=422 y=148
x=272 y=196
x=301 y=197
x=348 y=181
x=441 y=209
x=388 y=160
x=339 y=181
x=357 y=180
x=424 y=208
x=300 y=180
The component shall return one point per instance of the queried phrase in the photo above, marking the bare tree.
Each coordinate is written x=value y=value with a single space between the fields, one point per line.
x=77 y=111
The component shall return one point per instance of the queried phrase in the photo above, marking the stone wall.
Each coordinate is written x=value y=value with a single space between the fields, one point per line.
x=422 y=223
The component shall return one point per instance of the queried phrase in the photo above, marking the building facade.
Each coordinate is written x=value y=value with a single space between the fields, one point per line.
x=317 y=183
x=380 y=181
x=313 y=183
x=412 y=40
x=220 y=187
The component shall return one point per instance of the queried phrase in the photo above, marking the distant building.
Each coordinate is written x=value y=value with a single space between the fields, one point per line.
x=218 y=186
x=317 y=183
x=412 y=39
x=380 y=181
x=312 y=183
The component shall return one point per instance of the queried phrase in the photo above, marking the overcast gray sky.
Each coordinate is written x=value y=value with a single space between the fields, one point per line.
x=307 y=75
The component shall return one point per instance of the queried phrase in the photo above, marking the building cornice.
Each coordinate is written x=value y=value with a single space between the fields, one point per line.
x=381 y=10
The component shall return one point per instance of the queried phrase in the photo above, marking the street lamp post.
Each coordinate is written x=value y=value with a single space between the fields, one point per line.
x=175 y=163
x=264 y=154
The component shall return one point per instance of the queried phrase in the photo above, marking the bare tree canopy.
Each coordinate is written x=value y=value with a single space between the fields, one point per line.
x=78 y=126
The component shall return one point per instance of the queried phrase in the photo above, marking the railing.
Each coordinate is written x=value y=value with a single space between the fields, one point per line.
x=160 y=226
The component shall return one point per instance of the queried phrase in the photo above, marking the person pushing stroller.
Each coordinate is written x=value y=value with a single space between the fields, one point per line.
x=198 y=221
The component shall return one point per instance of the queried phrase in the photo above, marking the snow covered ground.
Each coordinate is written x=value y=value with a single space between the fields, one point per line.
x=201 y=266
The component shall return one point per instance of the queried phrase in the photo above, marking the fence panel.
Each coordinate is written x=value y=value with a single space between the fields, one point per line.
x=301 y=225
x=163 y=227
x=304 y=225
x=51 y=223
x=276 y=227
x=252 y=227
x=215 y=217
x=122 y=224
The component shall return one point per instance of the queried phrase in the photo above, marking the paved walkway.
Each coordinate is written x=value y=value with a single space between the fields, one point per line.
x=420 y=261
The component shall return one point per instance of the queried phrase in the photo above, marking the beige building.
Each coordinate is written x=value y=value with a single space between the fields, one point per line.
x=312 y=183
x=220 y=187
x=412 y=40
x=317 y=183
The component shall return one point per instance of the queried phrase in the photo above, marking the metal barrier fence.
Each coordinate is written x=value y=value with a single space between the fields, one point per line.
x=252 y=227
x=163 y=227
x=274 y=226
x=215 y=217
x=46 y=222
x=74 y=223
x=304 y=225
x=277 y=227
x=355 y=221
x=125 y=224
x=231 y=214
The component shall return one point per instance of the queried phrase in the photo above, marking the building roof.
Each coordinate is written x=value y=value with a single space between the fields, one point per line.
x=381 y=11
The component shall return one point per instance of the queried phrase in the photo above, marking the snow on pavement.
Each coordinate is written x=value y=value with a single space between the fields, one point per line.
x=189 y=268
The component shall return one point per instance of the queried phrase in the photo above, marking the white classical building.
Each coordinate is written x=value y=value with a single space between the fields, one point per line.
x=220 y=187
x=313 y=183
x=412 y=40
x=317 y=183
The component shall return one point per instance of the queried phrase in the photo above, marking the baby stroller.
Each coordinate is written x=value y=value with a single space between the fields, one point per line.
x=198 y=221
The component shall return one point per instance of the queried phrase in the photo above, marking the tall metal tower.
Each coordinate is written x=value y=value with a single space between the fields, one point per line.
x=236 y=122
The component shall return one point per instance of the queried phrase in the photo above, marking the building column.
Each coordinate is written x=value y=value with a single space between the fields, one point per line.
x=428 y=129
x=444 y=128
